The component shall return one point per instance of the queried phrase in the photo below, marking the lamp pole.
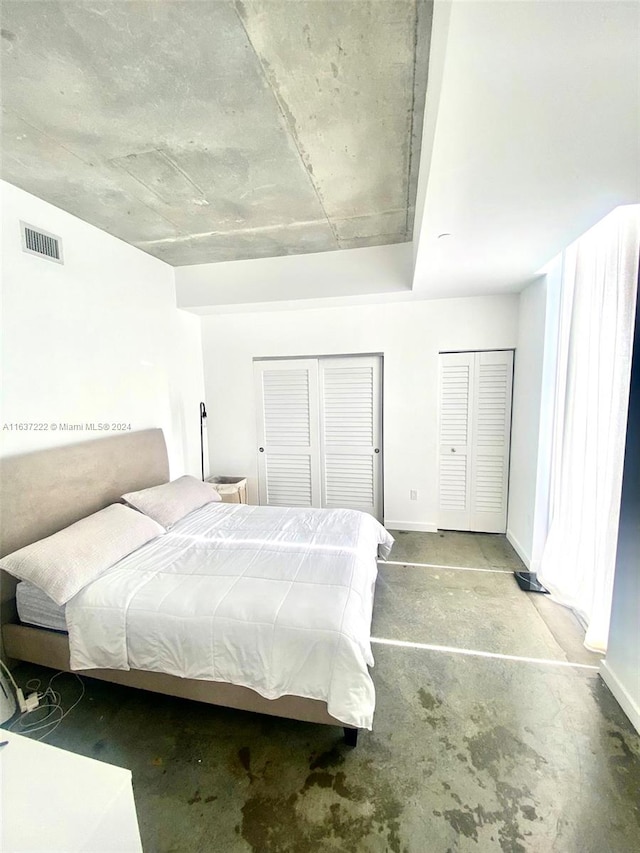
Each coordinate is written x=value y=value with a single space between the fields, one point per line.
x=203 y=423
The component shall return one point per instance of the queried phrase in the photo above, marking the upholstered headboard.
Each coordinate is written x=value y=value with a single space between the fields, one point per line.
x=44 y=491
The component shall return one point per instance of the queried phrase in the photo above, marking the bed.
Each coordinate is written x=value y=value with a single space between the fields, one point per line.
x=291 y=559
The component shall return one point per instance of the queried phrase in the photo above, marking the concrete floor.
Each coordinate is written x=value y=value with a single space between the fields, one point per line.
x=468 y=753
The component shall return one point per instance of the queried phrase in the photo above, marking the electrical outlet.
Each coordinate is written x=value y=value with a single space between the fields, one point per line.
x=413 y=495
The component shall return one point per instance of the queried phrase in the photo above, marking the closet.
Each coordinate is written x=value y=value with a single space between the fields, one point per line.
x=474 y=437
x=319 y=427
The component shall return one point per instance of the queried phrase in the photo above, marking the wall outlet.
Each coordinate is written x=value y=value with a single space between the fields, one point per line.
x=413 y=495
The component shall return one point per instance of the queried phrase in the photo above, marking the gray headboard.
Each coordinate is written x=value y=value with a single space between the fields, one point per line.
x=44 y=491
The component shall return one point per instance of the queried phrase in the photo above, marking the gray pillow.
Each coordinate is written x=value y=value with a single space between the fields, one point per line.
x=62 y=564
x=170 y=502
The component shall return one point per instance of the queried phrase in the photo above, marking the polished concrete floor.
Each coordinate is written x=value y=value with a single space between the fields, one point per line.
x=486 y=737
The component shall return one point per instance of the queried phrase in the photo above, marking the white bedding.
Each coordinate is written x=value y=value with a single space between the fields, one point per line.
x=278 y=600
x=36 y=608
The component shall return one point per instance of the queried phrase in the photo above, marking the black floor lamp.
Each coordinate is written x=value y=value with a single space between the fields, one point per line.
x=203 y=423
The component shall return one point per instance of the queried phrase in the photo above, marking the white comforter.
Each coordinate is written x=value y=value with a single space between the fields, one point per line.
x=278 y=600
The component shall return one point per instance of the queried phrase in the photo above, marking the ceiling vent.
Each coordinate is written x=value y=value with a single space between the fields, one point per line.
x=35 y=241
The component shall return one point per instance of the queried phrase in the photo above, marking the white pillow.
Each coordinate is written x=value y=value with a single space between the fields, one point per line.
x=62 y=564
x=170 y=502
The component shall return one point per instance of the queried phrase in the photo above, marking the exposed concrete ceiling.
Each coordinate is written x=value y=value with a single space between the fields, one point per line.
x=211 y=130
x=531 y=135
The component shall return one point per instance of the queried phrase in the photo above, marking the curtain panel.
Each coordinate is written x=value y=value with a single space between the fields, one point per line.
x=599 y=291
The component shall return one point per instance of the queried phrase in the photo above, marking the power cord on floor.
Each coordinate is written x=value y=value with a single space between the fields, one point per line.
x=42 y=710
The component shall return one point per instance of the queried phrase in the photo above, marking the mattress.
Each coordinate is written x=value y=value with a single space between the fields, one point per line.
x=278 y=600
x=36 y=608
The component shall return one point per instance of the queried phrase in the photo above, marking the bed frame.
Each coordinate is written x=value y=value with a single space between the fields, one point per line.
x=45 y=491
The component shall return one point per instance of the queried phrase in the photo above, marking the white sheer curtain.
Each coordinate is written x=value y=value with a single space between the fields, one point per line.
x=599 y=290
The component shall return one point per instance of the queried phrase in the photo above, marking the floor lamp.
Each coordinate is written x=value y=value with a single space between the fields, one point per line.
x=203 y=424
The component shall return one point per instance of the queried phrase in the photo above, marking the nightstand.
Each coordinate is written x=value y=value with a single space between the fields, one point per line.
x=232 y=490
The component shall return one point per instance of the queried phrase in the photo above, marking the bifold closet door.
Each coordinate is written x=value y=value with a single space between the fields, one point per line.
x=456 y=384
x=288 y=432
x=319 y=432
x=475 y=432
x=350 y=433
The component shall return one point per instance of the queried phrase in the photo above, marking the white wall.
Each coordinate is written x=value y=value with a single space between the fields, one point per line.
x=533 y=411
x=525 y=425
x=621 y=669
x=97 y=339
x=409 y=336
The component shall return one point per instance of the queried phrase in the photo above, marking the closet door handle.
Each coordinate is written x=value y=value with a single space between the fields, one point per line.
x=377 y=450
x=453 y=450
x=261 y=449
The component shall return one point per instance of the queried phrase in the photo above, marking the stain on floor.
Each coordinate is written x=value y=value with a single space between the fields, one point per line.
x=328 y=810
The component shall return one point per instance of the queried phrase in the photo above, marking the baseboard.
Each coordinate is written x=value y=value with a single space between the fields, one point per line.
x=411 y=526
x=621 y=694
x=517 y=547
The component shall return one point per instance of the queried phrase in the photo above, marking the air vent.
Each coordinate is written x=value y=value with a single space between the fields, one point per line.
x=35 y=241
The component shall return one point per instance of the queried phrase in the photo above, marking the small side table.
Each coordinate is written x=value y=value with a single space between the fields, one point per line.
x=232 y=490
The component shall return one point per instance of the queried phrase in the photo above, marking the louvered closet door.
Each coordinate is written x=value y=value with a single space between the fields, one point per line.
x=491 y=440
x=288 y=451
x=456 y=393
x=350 y=433
x=475 y=429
